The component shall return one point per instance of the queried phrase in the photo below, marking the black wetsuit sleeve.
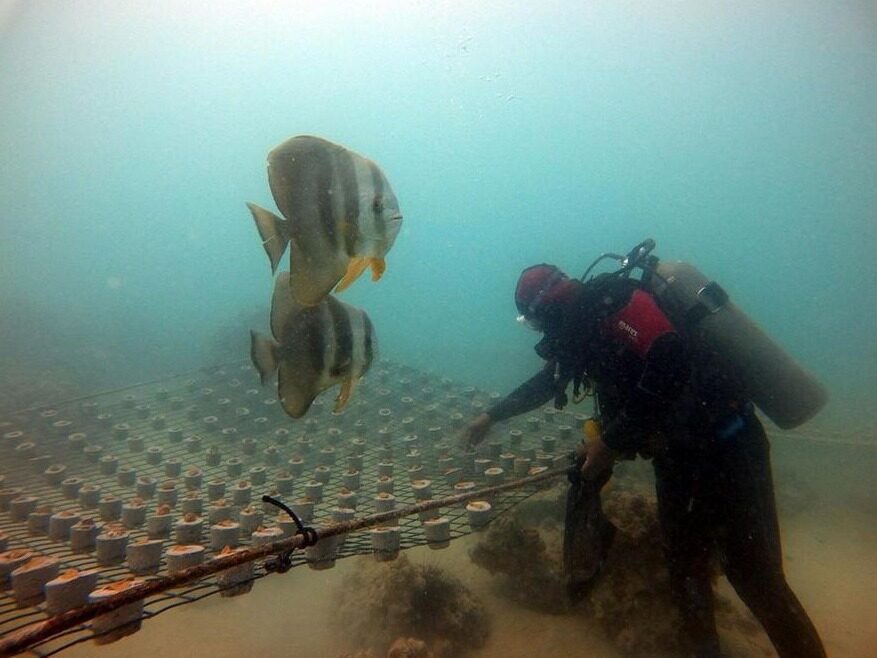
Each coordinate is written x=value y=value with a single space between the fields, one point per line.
x=666 y=371
x=530 y=395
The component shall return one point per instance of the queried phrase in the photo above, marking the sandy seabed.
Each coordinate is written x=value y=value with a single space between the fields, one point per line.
x=830 y=548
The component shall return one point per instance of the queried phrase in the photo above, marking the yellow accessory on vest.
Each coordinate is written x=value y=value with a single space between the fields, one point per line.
x=591 y=428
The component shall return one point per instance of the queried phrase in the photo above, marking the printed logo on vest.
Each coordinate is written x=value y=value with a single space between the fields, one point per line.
x=630 y=331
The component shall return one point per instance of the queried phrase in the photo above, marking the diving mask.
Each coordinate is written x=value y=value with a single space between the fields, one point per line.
x=530 y=323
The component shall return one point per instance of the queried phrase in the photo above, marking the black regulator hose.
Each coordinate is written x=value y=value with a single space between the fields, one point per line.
x=634 y=258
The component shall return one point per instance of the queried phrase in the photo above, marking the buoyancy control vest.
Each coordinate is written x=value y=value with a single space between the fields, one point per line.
x=614 y=331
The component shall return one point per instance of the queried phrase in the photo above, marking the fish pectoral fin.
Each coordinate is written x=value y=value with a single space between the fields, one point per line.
x=274 y=232
x=345 y=393
x=355 y=267
x=379 y=266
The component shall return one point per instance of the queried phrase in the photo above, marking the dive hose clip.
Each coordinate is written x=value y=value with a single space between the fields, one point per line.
x=710 y=299
x=713 y=297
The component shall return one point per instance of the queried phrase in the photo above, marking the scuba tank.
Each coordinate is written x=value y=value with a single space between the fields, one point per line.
x=773 y=380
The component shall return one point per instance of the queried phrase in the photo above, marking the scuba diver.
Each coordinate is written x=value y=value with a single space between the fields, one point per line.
x=676 y=370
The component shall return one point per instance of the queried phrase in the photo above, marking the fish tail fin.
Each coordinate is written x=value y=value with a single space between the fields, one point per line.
x=263 y=352
x=274 y=232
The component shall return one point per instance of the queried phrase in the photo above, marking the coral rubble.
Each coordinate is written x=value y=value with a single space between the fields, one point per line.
x=630 y=602
x=386 y=601
x=535 y=577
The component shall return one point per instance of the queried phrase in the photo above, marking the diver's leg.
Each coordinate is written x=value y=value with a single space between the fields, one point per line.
x=752 y=554
x=686 y=544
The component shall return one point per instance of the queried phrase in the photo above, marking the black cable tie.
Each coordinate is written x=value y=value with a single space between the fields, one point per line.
x=283 y=562
x=310 y=537
x=277 y=503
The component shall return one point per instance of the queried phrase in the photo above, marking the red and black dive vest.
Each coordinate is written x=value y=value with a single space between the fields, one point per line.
x=638 y=324
x=614 y=333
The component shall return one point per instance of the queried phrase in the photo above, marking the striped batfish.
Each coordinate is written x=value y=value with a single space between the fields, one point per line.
x=314 y=348
x=341 y=216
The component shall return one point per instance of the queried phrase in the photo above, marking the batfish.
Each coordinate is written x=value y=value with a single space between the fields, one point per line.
x=314 y=348
x=341 y=216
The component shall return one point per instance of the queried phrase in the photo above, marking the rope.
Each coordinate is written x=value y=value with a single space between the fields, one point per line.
x=810 y=435
x=838 y=439
x=41 y=631
x=126 y=387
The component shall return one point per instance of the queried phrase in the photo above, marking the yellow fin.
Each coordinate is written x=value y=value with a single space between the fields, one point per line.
x=345 y=394
x=355 y=267
x=379 y=266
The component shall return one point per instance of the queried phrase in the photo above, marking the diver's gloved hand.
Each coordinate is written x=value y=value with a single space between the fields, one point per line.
x=475 y=431
x=599 y=457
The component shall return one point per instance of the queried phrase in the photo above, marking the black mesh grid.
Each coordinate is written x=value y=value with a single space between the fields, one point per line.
x=394 y=404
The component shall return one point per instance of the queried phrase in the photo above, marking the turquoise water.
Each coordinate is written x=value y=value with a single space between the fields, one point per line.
x=742 y=138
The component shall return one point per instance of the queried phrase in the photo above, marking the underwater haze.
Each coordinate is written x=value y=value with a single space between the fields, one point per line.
x=742 y=137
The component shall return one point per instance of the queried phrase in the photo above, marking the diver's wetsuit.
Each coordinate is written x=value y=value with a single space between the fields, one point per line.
x=711 y=455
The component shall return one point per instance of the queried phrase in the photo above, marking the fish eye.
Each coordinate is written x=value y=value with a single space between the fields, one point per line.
x=378 y=205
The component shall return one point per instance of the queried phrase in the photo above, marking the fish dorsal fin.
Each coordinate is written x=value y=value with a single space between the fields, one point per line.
x=283 y=305
x=274 y=232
